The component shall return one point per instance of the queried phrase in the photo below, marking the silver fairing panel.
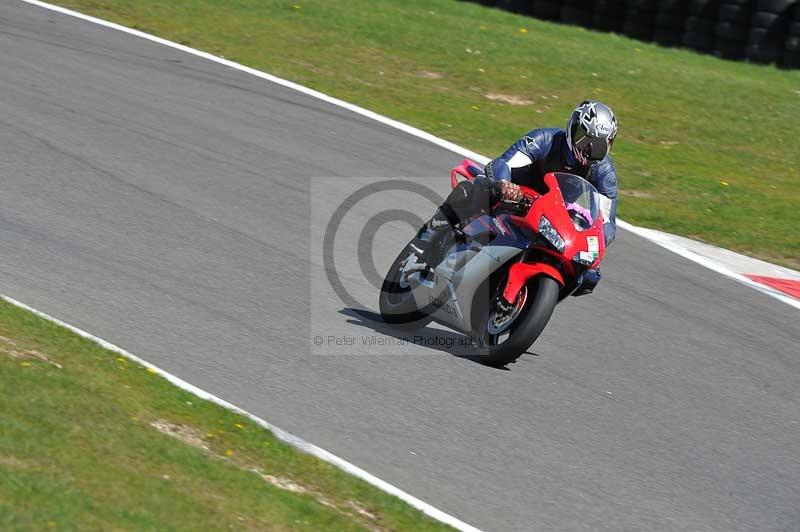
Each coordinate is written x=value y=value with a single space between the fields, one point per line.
x=452 y=290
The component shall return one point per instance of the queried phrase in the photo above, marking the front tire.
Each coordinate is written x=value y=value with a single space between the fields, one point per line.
x=502 y=340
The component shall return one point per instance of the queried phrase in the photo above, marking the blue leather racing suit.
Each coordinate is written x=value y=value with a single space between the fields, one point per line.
x=546 y=150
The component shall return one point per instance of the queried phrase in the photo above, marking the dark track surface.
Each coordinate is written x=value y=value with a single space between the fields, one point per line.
x=160 y=201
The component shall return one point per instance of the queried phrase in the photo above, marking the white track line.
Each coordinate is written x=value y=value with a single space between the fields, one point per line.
x=281 y=434
x=679 y=250
x=656 y=238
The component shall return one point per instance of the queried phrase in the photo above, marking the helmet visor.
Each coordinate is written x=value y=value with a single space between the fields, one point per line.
x=592 y=148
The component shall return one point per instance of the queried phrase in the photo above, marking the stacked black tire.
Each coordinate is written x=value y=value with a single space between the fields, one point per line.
x=767 y=39
x=515 y=6
x=546 y=9
x=699 y=27
x=608 y=15
x=791 y=57
x=639 y=18
x=731 y=31
x=575 y=12
x=669 y=22
x=761 y=31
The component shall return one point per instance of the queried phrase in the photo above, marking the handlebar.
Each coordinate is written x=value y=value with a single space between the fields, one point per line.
x=519 y=208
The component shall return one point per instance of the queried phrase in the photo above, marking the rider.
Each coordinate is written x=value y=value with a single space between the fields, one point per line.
x=581 y=149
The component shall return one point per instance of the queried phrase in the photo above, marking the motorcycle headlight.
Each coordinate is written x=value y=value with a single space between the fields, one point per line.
x=547 y=230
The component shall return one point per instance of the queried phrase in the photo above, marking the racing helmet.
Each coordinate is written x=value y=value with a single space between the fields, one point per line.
x=591 y=130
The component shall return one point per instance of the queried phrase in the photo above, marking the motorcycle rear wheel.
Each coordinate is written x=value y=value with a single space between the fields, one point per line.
x=396 y=302
x=502 y=342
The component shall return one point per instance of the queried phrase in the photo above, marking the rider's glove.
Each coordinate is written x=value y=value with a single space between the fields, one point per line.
x=587 y=281
x=507 y=191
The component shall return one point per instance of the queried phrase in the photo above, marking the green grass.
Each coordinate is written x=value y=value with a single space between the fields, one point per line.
x=80 y=449
x=707 y=148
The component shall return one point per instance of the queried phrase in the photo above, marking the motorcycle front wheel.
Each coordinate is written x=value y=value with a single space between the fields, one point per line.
x=504 y=334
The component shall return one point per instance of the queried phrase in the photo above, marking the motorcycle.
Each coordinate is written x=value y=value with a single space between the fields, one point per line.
x=499 y=277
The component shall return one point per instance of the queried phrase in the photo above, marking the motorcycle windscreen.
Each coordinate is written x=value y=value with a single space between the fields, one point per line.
x=581 y=200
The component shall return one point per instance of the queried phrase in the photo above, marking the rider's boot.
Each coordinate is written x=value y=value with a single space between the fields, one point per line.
x=587 y=282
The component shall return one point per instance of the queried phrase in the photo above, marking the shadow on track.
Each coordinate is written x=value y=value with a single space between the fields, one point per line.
x=450 y=342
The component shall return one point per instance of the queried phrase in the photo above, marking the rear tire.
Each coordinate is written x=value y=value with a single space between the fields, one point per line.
x=541 y=298
x=396 y=302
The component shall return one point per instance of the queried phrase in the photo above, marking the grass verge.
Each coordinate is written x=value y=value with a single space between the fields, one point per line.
x=92 y=441
x=706 y=147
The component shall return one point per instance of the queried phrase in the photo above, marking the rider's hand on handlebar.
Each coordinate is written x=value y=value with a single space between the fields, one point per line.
x=508 y=191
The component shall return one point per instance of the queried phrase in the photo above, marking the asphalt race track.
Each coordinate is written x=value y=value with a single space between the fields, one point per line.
x=175 y=207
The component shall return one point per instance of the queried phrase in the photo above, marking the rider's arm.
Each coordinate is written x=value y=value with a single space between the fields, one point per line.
x=519 y=155
x=604 y=177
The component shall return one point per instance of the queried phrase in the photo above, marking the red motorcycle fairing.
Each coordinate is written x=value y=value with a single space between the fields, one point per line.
x=467 y=169
x=550 y=204
x=521 y=272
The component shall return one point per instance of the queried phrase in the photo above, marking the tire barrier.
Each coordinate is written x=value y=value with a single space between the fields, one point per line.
x=791 y=57
x=639 y=19
x=608 y=15
x=669 y=22
x=767 y=39
x=546 y=9
x=574 y=12
x=698 y=30
x=759 y=31
x=733 y=24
